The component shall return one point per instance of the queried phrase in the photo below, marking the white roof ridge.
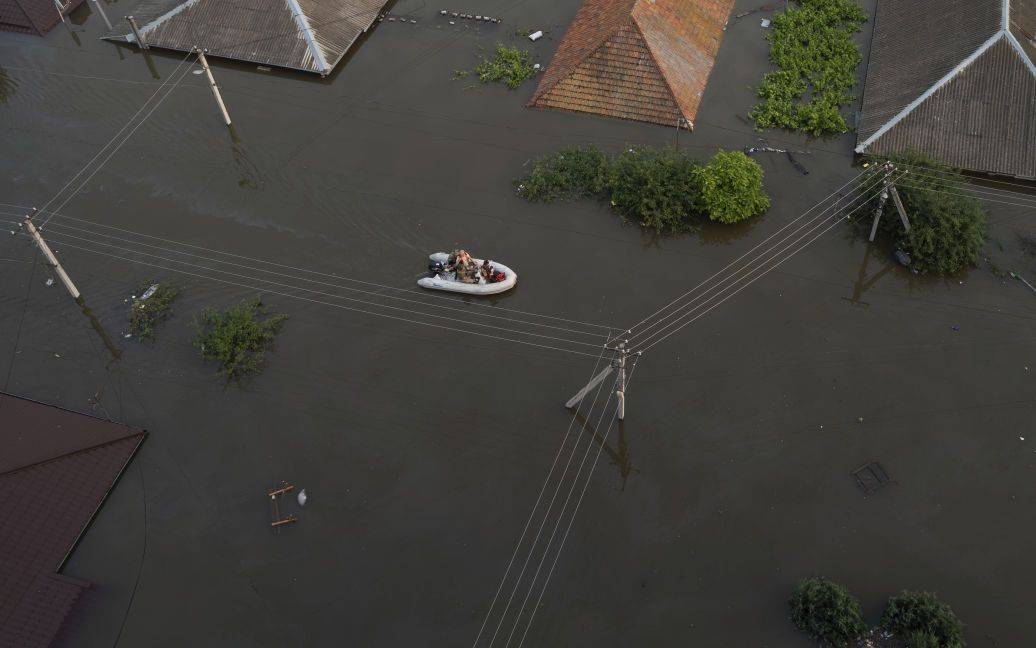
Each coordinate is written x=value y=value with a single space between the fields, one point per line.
x=307 y=32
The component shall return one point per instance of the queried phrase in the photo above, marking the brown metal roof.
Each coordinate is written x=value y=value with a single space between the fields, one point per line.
x=56 y=469
x=646 y=60
x=308 y=35
x=33 y=16
x=952 y=78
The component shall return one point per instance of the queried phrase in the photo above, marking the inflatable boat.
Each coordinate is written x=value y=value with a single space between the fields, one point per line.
x=448 y=280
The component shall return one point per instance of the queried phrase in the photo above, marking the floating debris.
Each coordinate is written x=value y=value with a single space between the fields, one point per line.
x=467 y=16
x=536 y=35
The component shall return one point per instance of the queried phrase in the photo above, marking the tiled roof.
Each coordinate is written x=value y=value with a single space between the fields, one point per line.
x=56 y=469
x=961 y=87
x=32 y=16
x=646 y=60
x=307 y=35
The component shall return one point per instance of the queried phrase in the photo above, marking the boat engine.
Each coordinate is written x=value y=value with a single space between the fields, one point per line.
x=436 y=268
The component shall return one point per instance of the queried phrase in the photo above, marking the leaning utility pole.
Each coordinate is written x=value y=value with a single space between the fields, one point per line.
x=212 y=83
x=141 y=43
x=100 y=10
x=889 y=190
x=51 y=259
x=618 y=362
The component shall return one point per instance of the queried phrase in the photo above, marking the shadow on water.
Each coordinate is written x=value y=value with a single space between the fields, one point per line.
x=8 y=86
x=619 y=455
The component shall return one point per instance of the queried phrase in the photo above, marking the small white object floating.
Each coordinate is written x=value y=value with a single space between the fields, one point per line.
x=450 y=283
x=535 y=36
x=302 y=497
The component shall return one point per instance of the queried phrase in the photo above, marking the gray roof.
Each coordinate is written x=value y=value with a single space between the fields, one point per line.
x=308 y=35
x=955 y=79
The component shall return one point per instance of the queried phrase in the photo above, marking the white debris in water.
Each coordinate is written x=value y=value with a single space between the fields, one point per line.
x=302 y=497
x=198 y=72
x=50 y=281
x=536 y=35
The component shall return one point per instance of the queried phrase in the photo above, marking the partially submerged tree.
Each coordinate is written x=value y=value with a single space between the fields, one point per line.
x=826 y=612
x=923 y=621
x=655 y=187
x=731 y=187
x=947 y=227
x=152 y=306
x=237 y=337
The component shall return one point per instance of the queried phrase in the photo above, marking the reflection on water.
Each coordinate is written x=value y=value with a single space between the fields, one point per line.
x=619 y=454
x=8 y=86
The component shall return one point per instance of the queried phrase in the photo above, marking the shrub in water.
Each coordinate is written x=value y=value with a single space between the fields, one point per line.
x=826 y=612
x=731 y=187
x=947 y=228
x=509 y=65
x=577 y=172
x=146 y=314
x=237 y=337
x=812 y=45
x=918 y=617
x=655 y=187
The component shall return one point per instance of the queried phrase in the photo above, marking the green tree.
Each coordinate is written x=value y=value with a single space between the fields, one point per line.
x=920 y=619
x=826 y=612
x=576 y=172
x=237 y=337
x=730 y=187
x=947 y=227
x=655 y=187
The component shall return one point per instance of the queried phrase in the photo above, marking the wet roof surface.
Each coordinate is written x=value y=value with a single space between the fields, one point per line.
x=56 y=469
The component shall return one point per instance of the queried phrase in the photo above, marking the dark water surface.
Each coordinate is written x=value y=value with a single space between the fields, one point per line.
x=423 y=449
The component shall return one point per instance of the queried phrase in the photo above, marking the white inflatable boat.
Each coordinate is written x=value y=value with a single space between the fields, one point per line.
x=448 y=280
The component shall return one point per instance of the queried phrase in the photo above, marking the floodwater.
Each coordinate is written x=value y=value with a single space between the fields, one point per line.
x=423 y=441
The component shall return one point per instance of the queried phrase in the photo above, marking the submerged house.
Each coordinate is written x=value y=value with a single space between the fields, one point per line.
x=645 y=60
x=56 y=469
x=34 y=16
x=954 y=79
x=306 y=35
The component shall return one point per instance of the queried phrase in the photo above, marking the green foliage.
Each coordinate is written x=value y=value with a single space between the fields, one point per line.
x=146 y=314
x=509 y=65
x=659 y=188
x=812 y=46
x=655 y=187
x=947 y=228
x=731 y=187
x=826 y=612
x=237 y=337
x=923 y=621
x=577 y=172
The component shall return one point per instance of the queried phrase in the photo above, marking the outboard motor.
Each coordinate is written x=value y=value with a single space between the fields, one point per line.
x=435 y=269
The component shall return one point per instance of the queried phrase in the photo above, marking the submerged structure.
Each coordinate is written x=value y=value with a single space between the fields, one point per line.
x=645 y=60
x=955 y=79
x=34 y=16
x=307 y=35
x=56 y=469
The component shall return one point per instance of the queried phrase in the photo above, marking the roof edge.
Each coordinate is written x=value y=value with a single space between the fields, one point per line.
x=307 y=32
x=1013 y=40
x=541 y=89
x=949 y=76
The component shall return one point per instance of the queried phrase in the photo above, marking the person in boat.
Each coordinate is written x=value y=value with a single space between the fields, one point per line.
x=487 y=272
x=461 y=263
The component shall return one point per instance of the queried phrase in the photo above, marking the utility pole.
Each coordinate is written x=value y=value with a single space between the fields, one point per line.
x=618 y=362
x=141 y=43
x=100 y=10
x=889 y=189
x=51 y=259
x=212 y=82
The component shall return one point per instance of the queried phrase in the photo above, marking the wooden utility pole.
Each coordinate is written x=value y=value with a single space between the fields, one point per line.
x=619 y=362
x=889 y=190
x=212 y=83
x=141 y=43
x=51 y=259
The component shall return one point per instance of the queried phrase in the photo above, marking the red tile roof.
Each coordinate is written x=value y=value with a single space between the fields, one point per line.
x=56 y=469
x=646 y=60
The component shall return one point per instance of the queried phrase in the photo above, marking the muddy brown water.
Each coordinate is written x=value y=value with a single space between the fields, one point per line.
x=423 y=450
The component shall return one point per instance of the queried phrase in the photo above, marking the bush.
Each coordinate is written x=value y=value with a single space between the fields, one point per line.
x=237 y=337
x=921 y=618
x=509 y=65
x=655 y=187
x=826 y=612
x=947 y=228
x=146 y=314
x=577 y=172
x=731 y=187
x=660 y=188
x=812 y=46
